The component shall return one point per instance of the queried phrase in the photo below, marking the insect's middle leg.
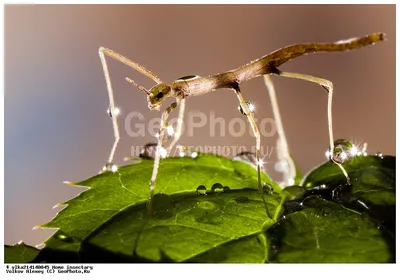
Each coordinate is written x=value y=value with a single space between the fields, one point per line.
x=178 y=132
x=284 y=157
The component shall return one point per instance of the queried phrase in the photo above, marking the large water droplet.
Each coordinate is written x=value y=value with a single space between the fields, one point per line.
x=201 y=190
x=206 y=212
x=343 y=150
x=217 y=187
x=242 y=199
x=206 y=205
x=227 y=189
x=161 y=206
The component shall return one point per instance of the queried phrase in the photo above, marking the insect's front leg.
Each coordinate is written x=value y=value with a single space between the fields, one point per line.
x=113 y=111
x=160 y=149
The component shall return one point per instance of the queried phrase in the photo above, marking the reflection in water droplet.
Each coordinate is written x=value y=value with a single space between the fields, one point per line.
x=267 y=189
x=201 y=190
x=242 y=199
x=161 y=206
x=217 y=187
x=227 y=189
x=206 y=212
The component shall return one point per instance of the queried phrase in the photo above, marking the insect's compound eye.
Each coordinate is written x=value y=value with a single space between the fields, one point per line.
x=160 y=95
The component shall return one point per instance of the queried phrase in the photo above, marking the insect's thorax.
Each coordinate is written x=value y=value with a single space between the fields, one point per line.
x=195 y=85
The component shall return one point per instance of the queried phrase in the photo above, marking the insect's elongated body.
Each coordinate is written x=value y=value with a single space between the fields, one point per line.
x=265 y=65
x=194 y=86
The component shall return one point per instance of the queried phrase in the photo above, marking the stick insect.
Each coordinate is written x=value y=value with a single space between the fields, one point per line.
x=194 y=86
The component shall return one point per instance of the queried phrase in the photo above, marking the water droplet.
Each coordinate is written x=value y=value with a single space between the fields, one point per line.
x=207 y=205
x=343 y=150
x=110 y=167
x=267 y=189
x=116 y=111
x=326 y=211
x=217 y=187
x=148 y=151
x=242 y=199
x=193 y=155
x=201 y=190
x=379 y=154
x=248 y=105
x=227 y=189
x=161 y=206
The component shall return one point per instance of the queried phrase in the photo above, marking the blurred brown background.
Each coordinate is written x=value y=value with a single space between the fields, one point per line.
x=56 y=126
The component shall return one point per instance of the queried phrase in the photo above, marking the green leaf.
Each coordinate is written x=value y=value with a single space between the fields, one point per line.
x=325 y=232
x=372 y=177
x=111 y=217
x=19 y=253
x=372 y=190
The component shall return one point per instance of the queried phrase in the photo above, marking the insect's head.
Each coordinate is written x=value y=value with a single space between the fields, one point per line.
x=157 y=95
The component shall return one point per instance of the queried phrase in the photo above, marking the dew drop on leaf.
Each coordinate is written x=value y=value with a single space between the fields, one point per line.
x=226 y=189
x=201 y=190
x=267 y=189
x=161 y=206
x=217 y=187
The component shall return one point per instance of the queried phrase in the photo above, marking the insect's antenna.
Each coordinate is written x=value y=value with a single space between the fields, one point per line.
x=136 y=85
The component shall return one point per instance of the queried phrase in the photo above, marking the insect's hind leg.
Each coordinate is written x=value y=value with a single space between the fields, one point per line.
x=328 y=86
x=284 y=157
